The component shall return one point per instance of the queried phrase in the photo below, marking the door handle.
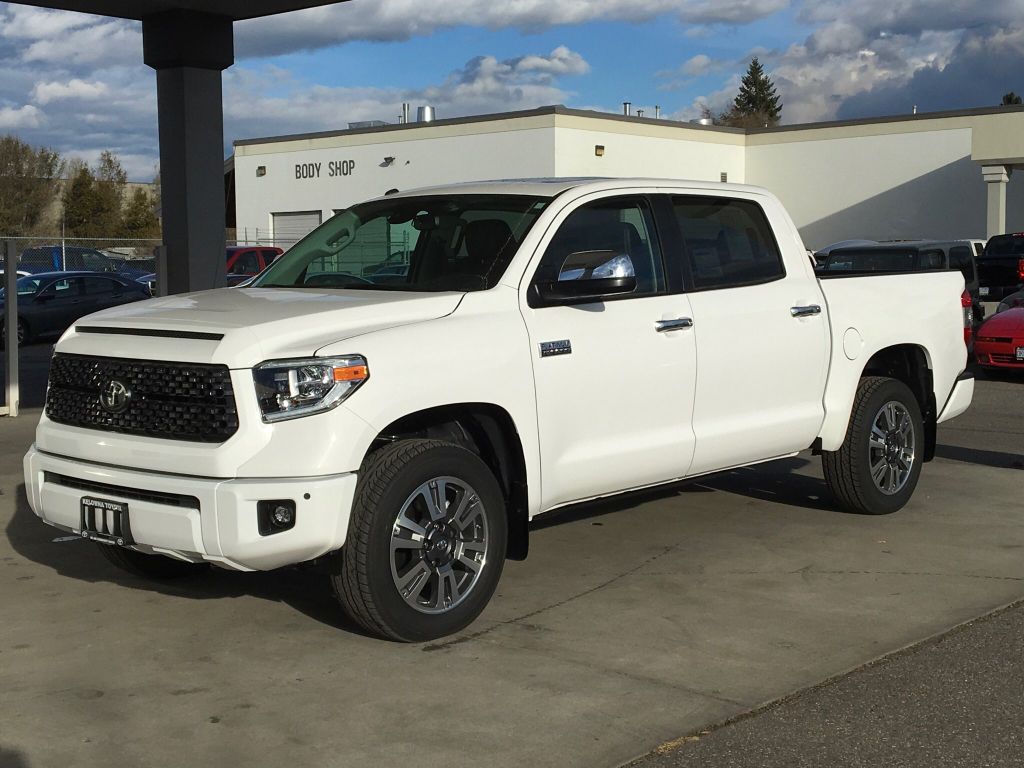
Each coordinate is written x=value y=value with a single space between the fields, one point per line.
x=810 y=309
x=673 y=325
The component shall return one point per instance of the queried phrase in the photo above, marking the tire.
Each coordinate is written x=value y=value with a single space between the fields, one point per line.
x=24 y=334
x=406 y=573
x=871 y=444
x=156 y=567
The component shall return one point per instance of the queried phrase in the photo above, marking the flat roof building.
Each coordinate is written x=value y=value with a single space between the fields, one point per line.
x=937 y=175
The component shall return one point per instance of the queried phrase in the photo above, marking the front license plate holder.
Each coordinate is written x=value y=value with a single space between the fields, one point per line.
x=106 y=521
x=1020 y=354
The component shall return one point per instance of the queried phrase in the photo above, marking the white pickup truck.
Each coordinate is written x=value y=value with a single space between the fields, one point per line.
x=401 y=392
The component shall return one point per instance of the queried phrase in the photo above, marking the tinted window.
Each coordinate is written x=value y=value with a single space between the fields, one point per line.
x=94 y=285
x=728 y=242
x=65 y=288
x=871 y=260
x=931 y=259
x=1005 y=245
x=96 y=262
x=621 y=226
x=960 y=258
x=246 y=263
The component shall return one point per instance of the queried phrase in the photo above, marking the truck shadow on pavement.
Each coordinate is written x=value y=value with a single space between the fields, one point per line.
x=305 y=589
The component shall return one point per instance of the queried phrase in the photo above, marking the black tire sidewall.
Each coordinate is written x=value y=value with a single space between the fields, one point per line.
x=404 y=620
x=881 y=503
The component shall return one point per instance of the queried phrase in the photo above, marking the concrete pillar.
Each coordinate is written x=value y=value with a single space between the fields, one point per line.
x=188 y=50
x=996 y=178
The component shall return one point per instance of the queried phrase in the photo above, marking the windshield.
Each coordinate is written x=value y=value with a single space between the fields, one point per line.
x=27 y=286
x=1005 y=245
x=429 y=243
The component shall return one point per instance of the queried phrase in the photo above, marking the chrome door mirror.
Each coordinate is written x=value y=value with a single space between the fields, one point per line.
x=587 y=276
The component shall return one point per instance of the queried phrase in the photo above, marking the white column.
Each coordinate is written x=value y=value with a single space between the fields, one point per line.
x=996 y=178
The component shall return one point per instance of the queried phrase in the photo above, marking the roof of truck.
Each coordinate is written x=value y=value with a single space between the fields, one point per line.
x=550 y=187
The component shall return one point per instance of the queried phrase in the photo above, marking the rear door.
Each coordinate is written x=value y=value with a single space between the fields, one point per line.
x=614 y=381
x=761 y=333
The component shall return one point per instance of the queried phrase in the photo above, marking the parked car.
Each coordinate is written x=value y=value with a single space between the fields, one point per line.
x=542 y=349
x=1000 y=341
x=49 y=302
x=911 y=256
x=1001 y=266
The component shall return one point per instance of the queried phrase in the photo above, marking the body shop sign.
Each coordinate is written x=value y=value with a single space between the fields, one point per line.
x=334 y=168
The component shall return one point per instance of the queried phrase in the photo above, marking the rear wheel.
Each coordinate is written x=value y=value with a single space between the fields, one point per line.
x=24 y=337
x=876 y=469
x=426 y=541
x=156 y=567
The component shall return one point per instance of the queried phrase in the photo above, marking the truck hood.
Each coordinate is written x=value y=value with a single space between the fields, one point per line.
x=240 y=327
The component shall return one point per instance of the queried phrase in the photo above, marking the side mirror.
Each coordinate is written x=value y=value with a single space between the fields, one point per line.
x=590 y=276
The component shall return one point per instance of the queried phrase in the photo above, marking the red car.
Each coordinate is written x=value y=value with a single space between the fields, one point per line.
x=1000 y=341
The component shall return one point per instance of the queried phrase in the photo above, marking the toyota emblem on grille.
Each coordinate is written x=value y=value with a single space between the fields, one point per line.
x=114 y=397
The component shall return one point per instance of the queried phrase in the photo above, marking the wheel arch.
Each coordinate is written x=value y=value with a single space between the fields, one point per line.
x=489 y=431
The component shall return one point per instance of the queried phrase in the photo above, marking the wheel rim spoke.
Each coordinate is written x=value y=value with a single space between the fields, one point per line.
x=891 y=448
x=438 y=546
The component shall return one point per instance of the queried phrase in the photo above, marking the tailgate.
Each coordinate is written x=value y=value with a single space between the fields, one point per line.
x=998 y=271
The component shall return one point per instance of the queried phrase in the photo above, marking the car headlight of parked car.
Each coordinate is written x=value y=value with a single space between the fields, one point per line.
x=288 y=389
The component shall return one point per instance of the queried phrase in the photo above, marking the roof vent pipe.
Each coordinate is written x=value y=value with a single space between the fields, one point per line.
x=425 y=114
x=657 y=111
x=405 y=112
x=626 y=106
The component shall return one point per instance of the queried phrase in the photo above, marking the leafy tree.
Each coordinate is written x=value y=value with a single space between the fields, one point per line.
x=139 y=218
x=1010 y=99
x=94 y=199
x=757 y=104
x=29 y=181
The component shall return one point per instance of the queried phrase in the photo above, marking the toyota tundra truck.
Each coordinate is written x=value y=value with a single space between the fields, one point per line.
x=544 y=343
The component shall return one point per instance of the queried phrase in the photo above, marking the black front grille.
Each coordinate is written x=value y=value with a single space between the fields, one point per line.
x=176 y=401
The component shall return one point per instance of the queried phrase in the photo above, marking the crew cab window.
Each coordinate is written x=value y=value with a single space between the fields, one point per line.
x=960 y=258
x=931 y=259
x=246 y=263
x=96 y=262
x=728 y=242
x=624 y=226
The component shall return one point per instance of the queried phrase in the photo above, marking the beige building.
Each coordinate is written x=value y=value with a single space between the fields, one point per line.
x=937 y=175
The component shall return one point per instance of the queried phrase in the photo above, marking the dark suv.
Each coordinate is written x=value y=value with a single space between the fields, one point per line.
x=1001 y=266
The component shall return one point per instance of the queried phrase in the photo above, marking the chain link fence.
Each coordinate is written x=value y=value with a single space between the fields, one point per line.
x=131 y=258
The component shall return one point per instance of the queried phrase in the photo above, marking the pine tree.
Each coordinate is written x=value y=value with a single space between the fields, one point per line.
x=78 y=200
x=1010 y=99
x=757 y=104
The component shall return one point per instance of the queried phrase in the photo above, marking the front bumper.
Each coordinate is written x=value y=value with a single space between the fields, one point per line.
x=212 y=520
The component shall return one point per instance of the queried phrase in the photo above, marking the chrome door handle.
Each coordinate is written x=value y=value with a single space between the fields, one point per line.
x=673 y=325
x=811 y=309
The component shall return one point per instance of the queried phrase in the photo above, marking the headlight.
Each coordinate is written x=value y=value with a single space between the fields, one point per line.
x=288 y=389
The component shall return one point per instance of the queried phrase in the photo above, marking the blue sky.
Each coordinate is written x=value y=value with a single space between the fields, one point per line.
x=77 y=83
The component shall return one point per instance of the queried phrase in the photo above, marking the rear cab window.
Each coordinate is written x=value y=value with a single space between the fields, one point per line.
x=728 y=242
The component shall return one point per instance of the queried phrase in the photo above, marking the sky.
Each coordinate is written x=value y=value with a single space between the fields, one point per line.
x=77 y=83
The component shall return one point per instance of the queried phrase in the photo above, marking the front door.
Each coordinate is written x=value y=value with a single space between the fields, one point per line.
x=614 y=378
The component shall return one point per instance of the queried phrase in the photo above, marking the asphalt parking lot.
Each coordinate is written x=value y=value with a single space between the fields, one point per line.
x=633 y=623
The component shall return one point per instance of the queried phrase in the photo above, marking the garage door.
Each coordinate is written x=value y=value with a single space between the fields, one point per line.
x=291 y=227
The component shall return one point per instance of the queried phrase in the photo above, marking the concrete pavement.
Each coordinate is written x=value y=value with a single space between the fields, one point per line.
x=632 y=623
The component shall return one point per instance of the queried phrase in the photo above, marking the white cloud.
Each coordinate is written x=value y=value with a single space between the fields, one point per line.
x=26 y=116
x=23 y=21
x=379 y=20
x=44 y=93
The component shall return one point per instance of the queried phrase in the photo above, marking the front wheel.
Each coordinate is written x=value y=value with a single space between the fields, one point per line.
x=426 y=541
x=876 y=469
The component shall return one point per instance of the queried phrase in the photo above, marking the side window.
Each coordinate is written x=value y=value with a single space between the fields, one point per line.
x=66 y=288
x=728 y=242
x=931 y=259
x=621 y=226
x=246 y=263
x=960 y=258
x=97 y=285
x=95 y=261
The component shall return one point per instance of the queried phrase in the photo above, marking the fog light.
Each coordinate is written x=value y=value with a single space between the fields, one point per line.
x=275 y=515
